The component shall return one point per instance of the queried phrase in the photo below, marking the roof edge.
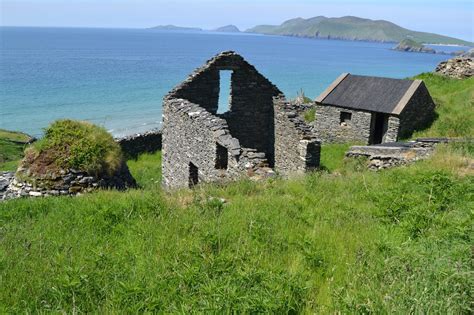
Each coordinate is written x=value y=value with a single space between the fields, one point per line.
x=406 y=98
x=331 y=87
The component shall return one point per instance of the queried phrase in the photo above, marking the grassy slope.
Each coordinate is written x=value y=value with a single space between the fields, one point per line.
x=343 y=239
x=11 y=148
x=352 y=28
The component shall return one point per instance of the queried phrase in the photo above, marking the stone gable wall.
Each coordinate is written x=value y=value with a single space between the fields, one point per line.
x=192 y=128
x=418 y=113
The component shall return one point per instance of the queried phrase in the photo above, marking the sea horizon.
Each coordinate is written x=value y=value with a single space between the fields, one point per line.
x=117 y=77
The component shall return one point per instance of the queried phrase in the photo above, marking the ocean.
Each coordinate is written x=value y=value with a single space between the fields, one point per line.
x=117 y=77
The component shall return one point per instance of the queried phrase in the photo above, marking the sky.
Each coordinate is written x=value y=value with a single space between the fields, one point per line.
x=448 y=17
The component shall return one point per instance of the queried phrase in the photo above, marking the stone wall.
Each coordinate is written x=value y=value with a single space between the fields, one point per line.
x=393 y=127
x=66 y=182
x=190 y=136
x=329 y=129
x=195 y=136
x=134 y=145
x=395 y=154
x=296 y=148
x=251 y=103
x=418 y=113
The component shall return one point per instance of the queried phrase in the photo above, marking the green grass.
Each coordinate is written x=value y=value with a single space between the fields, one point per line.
x=14 y=136
x=396 y=241
x=343 y=240
x=12 y=145
x=454 y=105
x=309 y=115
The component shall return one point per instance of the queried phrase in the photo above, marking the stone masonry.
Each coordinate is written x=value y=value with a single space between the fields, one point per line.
x=200 y=145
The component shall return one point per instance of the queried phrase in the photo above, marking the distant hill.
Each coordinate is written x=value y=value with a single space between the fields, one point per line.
x=353 y=28
x=175 y=28
x=228 y=29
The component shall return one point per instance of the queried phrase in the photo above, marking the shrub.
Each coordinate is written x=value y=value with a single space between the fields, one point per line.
x=69 y=144
x=309 y=115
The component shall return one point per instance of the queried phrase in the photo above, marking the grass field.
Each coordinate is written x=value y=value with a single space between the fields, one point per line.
x=343 y=239
x=12 y=145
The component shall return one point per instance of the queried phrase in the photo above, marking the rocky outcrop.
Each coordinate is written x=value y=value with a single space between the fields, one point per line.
x=412 y=46
x=459 y=68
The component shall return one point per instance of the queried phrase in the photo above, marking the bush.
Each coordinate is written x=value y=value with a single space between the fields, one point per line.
x=79 y=145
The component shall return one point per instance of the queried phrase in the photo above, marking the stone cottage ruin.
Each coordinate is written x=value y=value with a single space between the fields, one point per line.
x=259 y=133
x=372 y=110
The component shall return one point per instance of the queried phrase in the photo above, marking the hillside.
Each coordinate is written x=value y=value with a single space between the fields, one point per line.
x=352 y=28
x=342 y=240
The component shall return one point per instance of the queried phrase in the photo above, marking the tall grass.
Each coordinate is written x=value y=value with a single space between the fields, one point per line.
x=396 y=241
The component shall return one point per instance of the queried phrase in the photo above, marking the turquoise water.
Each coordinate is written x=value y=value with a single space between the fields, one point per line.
x=118 y=77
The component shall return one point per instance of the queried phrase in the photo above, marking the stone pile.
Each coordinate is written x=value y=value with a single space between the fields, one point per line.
x=459 y=68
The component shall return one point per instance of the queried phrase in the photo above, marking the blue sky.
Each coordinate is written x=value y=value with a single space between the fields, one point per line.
x=447 y=17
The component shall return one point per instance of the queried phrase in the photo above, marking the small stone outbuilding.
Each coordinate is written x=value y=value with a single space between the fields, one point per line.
x=372 y=110
x=260 y=133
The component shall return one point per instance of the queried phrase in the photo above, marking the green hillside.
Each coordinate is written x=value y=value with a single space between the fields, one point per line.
x=343 y=240
x=353 y=28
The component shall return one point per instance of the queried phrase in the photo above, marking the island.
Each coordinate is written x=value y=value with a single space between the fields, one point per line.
x=353 y=28
x=412 y=46
x=175 y=28
x=228 y=29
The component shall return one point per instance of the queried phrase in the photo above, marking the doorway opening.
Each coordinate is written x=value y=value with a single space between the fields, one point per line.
x=222 y=157
x=193 y=175
x=379 y=127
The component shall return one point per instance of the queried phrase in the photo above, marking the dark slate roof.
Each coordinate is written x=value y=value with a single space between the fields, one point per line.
x=369 y=93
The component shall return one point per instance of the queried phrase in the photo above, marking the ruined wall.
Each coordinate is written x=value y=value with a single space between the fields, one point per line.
x=250 y=116
x=418 y=113
x=296 y=148
x=134 y=145
x=191 y=135
x=329 y=129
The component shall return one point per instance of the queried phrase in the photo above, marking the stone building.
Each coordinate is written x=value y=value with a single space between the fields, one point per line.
x=259 y=133
x=371 y=110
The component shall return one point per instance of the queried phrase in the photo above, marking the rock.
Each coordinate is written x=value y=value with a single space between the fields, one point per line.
x=459 y=68
x=75 y=189
x=35 y=194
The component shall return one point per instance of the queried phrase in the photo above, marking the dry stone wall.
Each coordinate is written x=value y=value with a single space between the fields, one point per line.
x=329 y=128
x=134 y=145
x=296 y=148
x=195 y=136
x=66 y=182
